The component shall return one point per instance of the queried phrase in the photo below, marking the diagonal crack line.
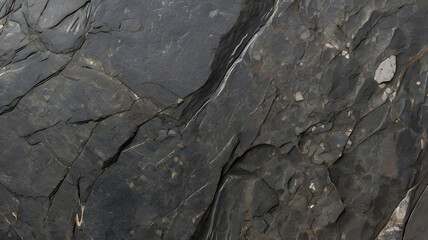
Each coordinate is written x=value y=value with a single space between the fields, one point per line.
x=14 y=229
x=126 y=85
x=56 y=189
x=100 y=119
x=384 y=225
x=43 y=10
x=108 y=163
x=264 y=120
x=115 y=158
x=368 y=26
x=9 y=10
x=40 y=130
x=12 y=105
x=73 y=12
x=19 y=195
x=52 y=194
x=204 y=228
x=235 y=61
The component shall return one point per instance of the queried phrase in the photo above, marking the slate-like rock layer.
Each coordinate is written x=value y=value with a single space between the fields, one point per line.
x=220 y=119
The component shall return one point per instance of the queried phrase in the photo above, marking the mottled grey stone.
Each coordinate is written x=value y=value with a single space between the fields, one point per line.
x=416 y=227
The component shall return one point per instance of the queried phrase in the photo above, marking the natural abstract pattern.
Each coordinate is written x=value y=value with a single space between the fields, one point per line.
x=213 y=119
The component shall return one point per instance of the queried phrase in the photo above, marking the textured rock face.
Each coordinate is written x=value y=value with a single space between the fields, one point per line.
x=220 y=119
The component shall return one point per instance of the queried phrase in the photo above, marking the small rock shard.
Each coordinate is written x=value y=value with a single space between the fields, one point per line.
x=386 y=70
x=159 y=233
x=299 y=97
x=312 y=187
x=80 y=221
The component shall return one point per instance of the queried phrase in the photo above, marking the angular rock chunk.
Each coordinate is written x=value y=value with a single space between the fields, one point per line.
x=386 y=70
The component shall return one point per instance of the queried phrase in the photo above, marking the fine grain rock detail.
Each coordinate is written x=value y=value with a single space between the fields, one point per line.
x=213 y=119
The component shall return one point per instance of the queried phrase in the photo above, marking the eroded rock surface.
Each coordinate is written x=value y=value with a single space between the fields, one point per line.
x=220 y=119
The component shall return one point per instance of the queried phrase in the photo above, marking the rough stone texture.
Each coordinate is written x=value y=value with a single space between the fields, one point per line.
x=416 y=229
x=220 y=119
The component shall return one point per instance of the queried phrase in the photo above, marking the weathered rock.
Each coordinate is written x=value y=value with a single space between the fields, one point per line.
x=417 y=226
x=243 y=119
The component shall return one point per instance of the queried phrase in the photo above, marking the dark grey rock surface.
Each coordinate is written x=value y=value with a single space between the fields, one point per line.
x=219 y=119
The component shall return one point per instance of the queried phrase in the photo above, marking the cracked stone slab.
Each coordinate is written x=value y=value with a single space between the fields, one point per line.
x=241 y=119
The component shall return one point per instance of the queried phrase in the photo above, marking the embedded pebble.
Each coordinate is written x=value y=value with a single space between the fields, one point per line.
x=298 y=97
x=386 y=70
